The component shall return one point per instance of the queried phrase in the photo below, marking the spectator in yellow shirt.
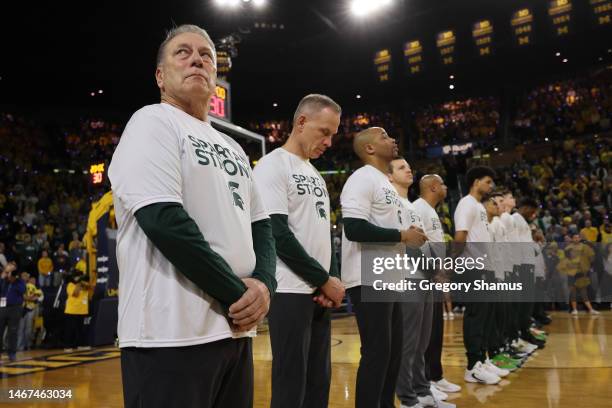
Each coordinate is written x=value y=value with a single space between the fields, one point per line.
x=77 y=308
x=33 y=296
x=589 y=232
x=45 y=268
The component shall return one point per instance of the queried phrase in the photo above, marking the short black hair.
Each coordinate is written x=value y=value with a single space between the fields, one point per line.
x=477 y=173
x=528 y=202
x=489 y=196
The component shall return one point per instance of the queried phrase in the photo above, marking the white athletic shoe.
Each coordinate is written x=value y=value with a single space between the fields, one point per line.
x=83 y=348
x=437 y=394
x=451 y=316
x=446 y=386
x=525 y=346
x=427 y=401
x=479 y=374
x=445 y=316
x=417 y=405
x=68 y=350
x=500 y=372
x=575 y=312
x=443 y=404
x=594 y=312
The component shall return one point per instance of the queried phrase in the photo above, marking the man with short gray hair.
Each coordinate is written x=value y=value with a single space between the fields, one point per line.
x=297 y=200
x=194 y=248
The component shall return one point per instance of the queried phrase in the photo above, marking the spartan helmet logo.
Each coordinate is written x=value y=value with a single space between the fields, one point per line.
x=321 y=209
x=399 y=217
x=233 y=186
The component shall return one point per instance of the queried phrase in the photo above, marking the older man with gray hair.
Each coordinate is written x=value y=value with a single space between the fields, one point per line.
x=195 y=248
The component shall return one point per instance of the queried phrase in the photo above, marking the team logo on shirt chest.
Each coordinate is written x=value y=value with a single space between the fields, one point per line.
x=220 y=157
x=238 y=201
x=320 y=206
x=309 y=185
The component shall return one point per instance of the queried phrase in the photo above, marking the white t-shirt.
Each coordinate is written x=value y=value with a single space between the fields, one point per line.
x=524 y=236
x=369 y=195
x=292 y=186
x=413 y=218
x=166 y=155
x=499 y=248
x=433 y=227
x=471 y=216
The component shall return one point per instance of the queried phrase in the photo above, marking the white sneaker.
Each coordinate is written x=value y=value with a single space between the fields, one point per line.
x=445 y=316
x=442 y=404
x=437 y=394
x=83 y=348
x=451 y=316
x=446 y=386
x=526 y=346
x=500 y=372
x=575 y=312
x=417 y=405
x=68 y=350
x=427 y=401
x=594 y=312
x=479 y=374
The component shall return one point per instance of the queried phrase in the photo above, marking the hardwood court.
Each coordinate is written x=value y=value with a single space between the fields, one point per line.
x=575 y=369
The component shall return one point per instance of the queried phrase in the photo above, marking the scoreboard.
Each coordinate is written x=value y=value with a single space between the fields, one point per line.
x=220 y=106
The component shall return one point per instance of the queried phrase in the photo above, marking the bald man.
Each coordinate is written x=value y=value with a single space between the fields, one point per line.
x=374 y=213
x=433 y=192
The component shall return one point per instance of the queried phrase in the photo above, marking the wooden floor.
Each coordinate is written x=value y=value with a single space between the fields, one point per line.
x=574 y=370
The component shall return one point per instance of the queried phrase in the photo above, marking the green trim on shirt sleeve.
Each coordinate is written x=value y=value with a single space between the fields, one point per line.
x=292 y=253
x=359 y=230
x=179 y=239
x=263 y=244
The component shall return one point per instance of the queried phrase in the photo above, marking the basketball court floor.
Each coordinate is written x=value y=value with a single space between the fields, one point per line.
x=574 y=370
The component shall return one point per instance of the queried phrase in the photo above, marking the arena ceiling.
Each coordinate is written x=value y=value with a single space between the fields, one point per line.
x=57 y=54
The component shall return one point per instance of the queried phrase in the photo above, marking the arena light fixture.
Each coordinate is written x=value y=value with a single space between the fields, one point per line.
x=259 y=3
x=275 y=104
x=358 y=96
x=451 y=77
x=362 y=8
x=451 y=86
x=558 y=54
x=564 y=60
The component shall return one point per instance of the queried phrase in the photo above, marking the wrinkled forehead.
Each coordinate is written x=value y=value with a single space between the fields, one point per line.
x=194 y=40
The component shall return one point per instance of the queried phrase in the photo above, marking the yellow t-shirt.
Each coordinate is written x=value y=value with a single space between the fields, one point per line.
x=589 y=234
x=45 y=266
x=32 y=290
x=606 y=238
x=81 y=265
x=76 y=305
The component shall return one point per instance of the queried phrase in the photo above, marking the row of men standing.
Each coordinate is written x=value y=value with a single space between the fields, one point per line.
x=204 y=244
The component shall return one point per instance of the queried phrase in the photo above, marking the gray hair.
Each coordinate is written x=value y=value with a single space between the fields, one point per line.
x=185 y=28
x=315 y=103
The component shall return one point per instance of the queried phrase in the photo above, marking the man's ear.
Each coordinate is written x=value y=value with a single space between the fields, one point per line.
x=159 y=78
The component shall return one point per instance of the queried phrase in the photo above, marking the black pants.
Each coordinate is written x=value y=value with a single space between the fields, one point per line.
x=478 y=322
x=526 y=276
x=9 y=317
x=433 y=355
x=211 y=375
x=74 y=330
x=300 y=335
x=381 y=333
